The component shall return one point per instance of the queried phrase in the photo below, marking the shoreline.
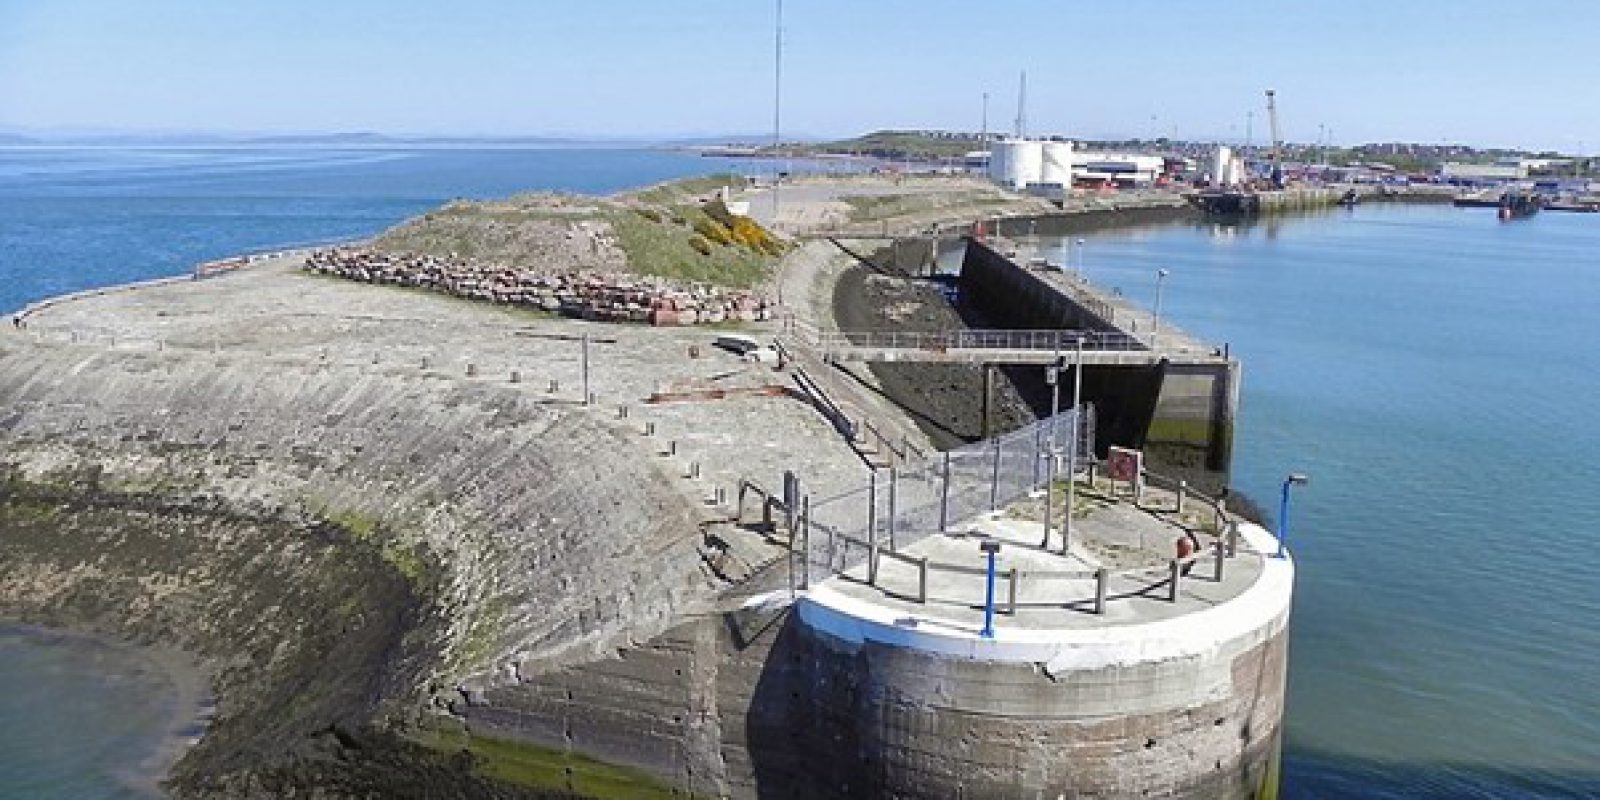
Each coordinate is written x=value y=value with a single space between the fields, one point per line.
x=187 y=707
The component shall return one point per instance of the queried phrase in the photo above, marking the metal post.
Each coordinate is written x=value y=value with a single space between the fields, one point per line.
x=1072 y=461
x=1221 y=554
x=894 y=482
x=994 y=479
x=1155 y=319
x=1183 y=489
x=944 y=496
x=1174 y=569
x=585 y=359
x=1294 y=479
x=1233 y=539
x=922 y=579
x=991 y=548
x=805 y=538
x=1015 y=578
x=872 y=505
x=1102 y=577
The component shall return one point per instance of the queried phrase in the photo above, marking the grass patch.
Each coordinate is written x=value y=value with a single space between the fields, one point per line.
x=670 y=250
x=534 y=767
x=872 y=208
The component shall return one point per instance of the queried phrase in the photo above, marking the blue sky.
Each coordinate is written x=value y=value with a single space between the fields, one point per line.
x=1491 y=73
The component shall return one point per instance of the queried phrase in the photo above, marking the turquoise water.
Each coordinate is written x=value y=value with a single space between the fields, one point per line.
x=1432 y=369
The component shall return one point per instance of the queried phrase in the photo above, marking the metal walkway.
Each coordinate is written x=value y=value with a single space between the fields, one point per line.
x=1100 y=348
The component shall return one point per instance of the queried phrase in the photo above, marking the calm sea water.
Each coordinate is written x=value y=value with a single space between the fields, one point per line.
x=1435 y=372
x=1431 y=368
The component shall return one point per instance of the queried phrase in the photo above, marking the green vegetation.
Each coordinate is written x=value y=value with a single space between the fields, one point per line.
x=918 y=145
x=701 y=244
x=535 y=767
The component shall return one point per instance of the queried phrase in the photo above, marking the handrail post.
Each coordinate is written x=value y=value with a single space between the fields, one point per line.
x=1221 y=556
x=872 y=528
x=1183 y=488
x=894 y=482
x=805 y=539
x=994 y=479
x=944 y=496
x=1233 y=539
x=1011 y=602
x=922 y=579
x=1174 y=569
x=1102 y=577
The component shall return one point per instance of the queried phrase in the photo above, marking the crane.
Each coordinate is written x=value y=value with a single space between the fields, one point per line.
x=1277 y=141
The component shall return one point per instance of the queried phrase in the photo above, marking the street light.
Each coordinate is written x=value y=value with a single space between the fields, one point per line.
x=1052 y=376
x=1155 y=322
x=1294 y=479
x=991 y=548
x=1080 y=257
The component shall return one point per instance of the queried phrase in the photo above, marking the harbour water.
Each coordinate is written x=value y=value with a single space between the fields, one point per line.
x=1429 y=367
x=1433 y=371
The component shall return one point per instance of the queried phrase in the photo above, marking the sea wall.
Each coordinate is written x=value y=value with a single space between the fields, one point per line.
x=337 y=546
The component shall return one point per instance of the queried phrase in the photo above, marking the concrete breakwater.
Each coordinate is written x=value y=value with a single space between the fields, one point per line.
x=605 y=297
x=348 y=540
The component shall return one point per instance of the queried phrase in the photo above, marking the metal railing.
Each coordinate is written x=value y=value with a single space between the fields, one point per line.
x=860 y=534
x=1063 y=341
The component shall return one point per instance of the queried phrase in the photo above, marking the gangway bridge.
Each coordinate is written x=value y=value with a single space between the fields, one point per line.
x=1003 y=346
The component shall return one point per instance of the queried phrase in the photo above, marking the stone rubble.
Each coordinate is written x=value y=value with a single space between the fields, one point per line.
x=605 y=297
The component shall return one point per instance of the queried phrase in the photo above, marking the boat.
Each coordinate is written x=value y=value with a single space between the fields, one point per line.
x=1516 y=205
x=1350 y=199
x=1579 y=206
x=1227 y=202
x=1477 y=200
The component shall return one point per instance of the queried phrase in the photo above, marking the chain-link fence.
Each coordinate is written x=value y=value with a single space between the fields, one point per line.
x=901 y=505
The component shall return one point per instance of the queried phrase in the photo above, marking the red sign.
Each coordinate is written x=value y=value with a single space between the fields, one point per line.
x=1124 y=464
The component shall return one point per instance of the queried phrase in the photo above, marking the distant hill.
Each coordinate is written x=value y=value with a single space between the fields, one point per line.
x=895 y=144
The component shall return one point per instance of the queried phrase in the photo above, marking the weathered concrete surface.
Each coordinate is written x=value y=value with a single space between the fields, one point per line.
x=533 y=532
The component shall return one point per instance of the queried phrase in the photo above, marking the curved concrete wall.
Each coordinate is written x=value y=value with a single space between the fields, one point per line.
x=1185 y=707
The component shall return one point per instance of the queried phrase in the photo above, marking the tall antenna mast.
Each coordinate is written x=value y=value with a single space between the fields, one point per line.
x=1022 y=106
x=777 y=109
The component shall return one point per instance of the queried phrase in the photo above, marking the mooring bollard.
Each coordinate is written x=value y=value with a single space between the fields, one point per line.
x=516 y=376
x=622 y=412
x=472 y=370
x=424 y=362
x=555 y=386
x=694 y=470
x=672 y=447
x=1102 y=578
x=1174 y=570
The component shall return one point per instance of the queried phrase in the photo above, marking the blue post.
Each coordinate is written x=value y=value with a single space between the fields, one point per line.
x=992 y=548
x=1283 y=508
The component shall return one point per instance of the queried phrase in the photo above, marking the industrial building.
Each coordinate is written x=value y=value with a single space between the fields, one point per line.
x=1047 y=166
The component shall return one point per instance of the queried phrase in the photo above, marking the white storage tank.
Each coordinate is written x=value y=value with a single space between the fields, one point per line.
x=1056 y=165
x=1024 y=161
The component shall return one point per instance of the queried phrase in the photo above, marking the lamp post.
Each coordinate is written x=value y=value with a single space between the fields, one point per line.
x=1052 y=376
x=991 y=548
x=1294 y=479
x=1155 y=321
x=1080 y=257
